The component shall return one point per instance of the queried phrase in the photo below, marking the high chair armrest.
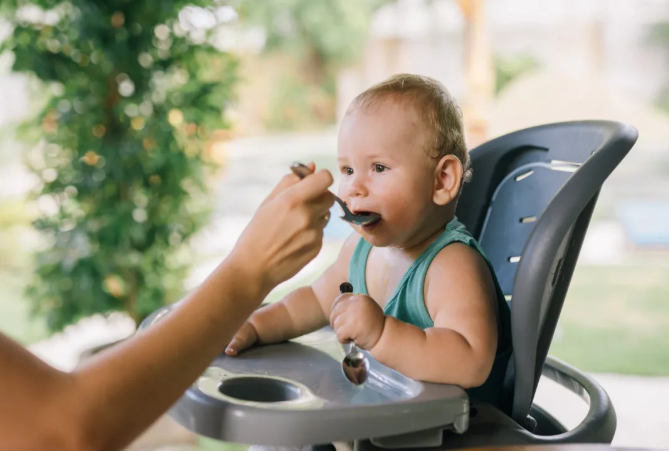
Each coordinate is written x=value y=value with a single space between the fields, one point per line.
x=599 y=425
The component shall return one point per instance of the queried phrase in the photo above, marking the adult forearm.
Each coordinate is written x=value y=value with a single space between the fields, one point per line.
x=116 y=395
x=124 y=390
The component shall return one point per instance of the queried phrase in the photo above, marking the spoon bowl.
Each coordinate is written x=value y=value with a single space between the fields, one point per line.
x=303 y=171
x=355 y=364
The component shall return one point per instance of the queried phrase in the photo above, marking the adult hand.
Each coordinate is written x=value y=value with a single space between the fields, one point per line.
x=287 y=230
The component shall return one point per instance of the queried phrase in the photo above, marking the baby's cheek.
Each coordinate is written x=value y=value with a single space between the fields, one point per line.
x=400 y=204
x=393 y=193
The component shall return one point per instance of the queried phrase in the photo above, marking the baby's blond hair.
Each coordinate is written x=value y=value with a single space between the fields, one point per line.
x=433 y=103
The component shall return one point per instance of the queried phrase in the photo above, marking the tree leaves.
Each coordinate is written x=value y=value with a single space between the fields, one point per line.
x=113 y=168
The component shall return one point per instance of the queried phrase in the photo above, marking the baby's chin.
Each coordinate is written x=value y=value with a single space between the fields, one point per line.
x=376 y=238
x=376 y=241
x=382 y=235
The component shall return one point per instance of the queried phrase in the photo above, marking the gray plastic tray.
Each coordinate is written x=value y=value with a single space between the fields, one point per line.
x=295 y=394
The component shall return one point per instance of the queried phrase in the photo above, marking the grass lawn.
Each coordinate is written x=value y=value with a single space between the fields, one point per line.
x=616 y=319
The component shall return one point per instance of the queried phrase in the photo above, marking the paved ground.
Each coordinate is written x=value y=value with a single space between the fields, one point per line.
x=641 y=404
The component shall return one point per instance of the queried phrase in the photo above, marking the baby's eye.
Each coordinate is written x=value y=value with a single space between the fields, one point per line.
x=347 y=170
x=379 y=168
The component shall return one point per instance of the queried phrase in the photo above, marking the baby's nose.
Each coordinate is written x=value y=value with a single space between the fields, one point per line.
x=357 y=187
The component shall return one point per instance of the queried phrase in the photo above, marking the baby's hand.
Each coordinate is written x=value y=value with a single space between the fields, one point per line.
x=245 y=337
x=358 y=318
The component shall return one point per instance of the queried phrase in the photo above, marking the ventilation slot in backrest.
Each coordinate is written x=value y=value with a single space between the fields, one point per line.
x=516 y=205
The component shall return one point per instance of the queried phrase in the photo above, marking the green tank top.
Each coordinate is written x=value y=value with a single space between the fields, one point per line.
x=408 y=305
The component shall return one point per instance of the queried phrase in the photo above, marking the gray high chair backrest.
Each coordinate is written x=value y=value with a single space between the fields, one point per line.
x=529 y=204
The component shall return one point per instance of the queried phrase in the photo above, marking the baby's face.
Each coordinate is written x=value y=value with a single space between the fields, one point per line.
x=385 y=170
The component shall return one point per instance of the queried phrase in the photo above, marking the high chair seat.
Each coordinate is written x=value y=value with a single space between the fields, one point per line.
x=529 y=204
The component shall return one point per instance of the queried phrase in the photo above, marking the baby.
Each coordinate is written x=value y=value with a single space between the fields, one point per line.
x=427 y=301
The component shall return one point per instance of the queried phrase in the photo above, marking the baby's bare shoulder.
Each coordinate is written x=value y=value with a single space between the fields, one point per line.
x=458 y=273
x=458 y=256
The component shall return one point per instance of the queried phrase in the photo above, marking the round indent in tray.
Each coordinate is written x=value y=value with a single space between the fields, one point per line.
x=260 y=389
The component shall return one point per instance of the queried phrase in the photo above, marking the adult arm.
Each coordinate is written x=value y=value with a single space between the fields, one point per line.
x=119 y=393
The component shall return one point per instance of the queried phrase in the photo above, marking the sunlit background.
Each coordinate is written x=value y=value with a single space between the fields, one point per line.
x=278 y=76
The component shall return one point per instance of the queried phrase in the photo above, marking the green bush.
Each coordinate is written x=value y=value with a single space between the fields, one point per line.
x=320 y=37
x=120 y=148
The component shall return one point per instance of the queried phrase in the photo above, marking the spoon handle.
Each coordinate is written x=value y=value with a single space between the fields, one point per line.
x=303 y=171
x=300 y=170
x=347 y=287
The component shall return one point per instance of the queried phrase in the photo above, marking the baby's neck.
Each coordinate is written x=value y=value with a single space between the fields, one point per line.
x=421 y=240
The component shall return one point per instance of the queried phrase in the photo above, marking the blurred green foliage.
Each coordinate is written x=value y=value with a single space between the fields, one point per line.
x=320 y=37
x=120 y=147
x=14 y=221
x=509 y=68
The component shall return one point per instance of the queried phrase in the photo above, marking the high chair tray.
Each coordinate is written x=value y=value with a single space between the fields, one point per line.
x=295 y=394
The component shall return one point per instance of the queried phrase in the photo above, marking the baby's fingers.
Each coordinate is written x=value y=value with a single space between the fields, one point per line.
x=244 y=338
x=344 y=331
x=235 y=346
x=339 y=306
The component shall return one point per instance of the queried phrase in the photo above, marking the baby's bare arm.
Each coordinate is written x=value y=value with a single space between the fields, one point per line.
x=460 y=348
x=307 y=308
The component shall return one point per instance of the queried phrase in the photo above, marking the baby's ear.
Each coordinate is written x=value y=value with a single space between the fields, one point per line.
x=448 y=179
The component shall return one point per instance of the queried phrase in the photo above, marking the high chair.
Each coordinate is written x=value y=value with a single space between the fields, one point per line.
x=529 y=204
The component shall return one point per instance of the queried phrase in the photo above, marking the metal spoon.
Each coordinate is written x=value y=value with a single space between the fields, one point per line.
x=355 y=364
x=303 y=171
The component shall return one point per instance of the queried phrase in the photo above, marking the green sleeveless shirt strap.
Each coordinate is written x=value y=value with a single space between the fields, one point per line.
x=408 y=303
x=358 y=265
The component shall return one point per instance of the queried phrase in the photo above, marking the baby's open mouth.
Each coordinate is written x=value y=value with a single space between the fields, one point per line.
x=355 y=216
x=373 y=217
x=365 y=213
